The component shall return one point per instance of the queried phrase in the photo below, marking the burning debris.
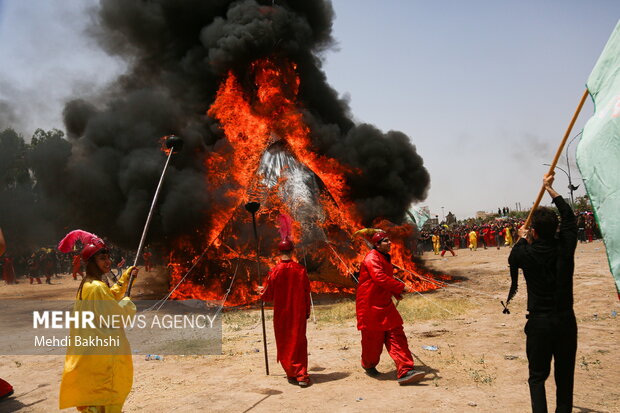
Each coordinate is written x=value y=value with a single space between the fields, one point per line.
x=241 y=81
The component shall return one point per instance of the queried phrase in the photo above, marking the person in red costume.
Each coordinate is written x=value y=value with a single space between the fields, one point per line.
x=377 y=316
x=147 y=260
x=288 y=287
x=8 y=271
x=76 y=267
x=5 y=388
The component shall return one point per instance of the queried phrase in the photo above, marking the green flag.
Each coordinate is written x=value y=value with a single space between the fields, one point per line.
x=419 y=215
x=598 y=153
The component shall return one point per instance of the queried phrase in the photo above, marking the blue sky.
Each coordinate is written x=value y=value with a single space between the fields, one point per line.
x=484 y=89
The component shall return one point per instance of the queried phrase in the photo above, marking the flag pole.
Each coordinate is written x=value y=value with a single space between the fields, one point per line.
x=557 y=156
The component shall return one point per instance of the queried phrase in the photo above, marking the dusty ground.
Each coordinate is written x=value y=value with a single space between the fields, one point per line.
x=480 y=364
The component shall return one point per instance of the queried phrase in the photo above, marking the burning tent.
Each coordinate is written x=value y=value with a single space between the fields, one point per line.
x=241 y=81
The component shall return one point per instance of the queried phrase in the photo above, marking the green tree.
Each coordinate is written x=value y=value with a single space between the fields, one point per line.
x=582 y=204
x=14 y=169
x=41 y=136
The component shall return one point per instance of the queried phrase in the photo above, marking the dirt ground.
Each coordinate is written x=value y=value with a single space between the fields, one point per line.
x=479 y=365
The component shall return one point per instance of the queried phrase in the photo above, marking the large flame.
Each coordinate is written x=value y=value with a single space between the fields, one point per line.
x=254 y=113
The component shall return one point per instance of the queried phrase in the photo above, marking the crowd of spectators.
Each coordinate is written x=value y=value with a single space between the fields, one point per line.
x=496 y=231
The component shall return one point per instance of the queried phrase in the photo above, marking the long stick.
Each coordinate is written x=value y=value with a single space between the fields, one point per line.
x=262 y=303
x=557 y=156
x=148 y=222
x=311 y=300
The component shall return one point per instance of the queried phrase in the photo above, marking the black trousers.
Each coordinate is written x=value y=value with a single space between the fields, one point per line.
x=551 y=336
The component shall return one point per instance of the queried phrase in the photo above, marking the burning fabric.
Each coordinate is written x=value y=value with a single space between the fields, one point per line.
x=241 y=82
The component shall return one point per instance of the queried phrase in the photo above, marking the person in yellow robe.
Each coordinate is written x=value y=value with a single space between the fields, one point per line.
x=436 y=243
x=508 y=236
x=97 y=378
x=473 y=240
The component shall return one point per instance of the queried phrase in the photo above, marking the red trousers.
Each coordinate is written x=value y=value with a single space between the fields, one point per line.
x=297 y=369
x=395 y=342
x=5 y=388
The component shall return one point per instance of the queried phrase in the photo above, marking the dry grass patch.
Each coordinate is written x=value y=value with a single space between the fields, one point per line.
x=412 y=307
x=242 y=319
x=420 y=308
x=430 y=307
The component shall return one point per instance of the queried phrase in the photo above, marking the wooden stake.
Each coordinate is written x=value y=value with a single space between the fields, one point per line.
x=557 y=156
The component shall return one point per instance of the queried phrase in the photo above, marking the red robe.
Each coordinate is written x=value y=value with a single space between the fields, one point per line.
x=374 y=306
x=288 y=287
x=147 y=261
x=377 y=316
x=486 y=233
x=76 y=266
x=8 y=272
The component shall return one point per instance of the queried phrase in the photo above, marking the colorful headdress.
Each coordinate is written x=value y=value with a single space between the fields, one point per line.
x=91 y=243
x=285 y=229
x=373 y=235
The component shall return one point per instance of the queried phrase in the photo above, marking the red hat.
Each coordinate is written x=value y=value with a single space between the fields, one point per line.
x=378 y=237
x=92 y=243
x=286 y=245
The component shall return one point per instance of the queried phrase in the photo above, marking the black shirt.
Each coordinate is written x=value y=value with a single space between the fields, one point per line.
x=548 y=266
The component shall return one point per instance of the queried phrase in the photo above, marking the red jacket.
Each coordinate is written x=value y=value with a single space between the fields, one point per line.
x=288 y=287
x=375 y=309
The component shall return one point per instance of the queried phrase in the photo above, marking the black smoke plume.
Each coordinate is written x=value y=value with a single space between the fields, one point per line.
x=178 y=52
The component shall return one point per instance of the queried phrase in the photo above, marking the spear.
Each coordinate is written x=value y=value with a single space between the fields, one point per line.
x=174 y=143
x=252 y=207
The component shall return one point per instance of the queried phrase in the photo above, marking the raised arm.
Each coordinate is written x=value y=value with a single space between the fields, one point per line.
x=568 y=222
x=548 y=184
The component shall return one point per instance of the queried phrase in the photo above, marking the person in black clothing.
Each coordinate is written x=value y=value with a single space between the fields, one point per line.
x=581 y=228
x=547 y=259
x=446 y=243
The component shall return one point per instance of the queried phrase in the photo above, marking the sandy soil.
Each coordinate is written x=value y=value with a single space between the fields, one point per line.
x=480 y=364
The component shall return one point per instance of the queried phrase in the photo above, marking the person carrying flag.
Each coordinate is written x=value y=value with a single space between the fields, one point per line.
x=548 y=263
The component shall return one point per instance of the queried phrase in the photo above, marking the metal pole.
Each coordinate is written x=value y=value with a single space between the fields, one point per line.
x=174 y=144
x=570 y=186
x=570 y=183
x=148 y=222
x=252 y=207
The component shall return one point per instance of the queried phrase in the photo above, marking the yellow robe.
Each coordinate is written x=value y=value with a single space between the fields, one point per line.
x=508 y=237
x=473 y=240
x=105 y=378
x=436 y=246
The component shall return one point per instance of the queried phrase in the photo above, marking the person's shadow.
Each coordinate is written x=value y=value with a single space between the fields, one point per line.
x=12 y=404
x=268 y=393
x=586 y=410
x=327 y=377
x=431 y=374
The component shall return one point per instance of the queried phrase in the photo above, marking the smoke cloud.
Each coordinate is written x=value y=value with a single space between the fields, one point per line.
x=104 y=177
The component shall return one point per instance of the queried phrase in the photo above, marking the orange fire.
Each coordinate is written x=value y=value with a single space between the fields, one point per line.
x=253 y=115
x=162 y=145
